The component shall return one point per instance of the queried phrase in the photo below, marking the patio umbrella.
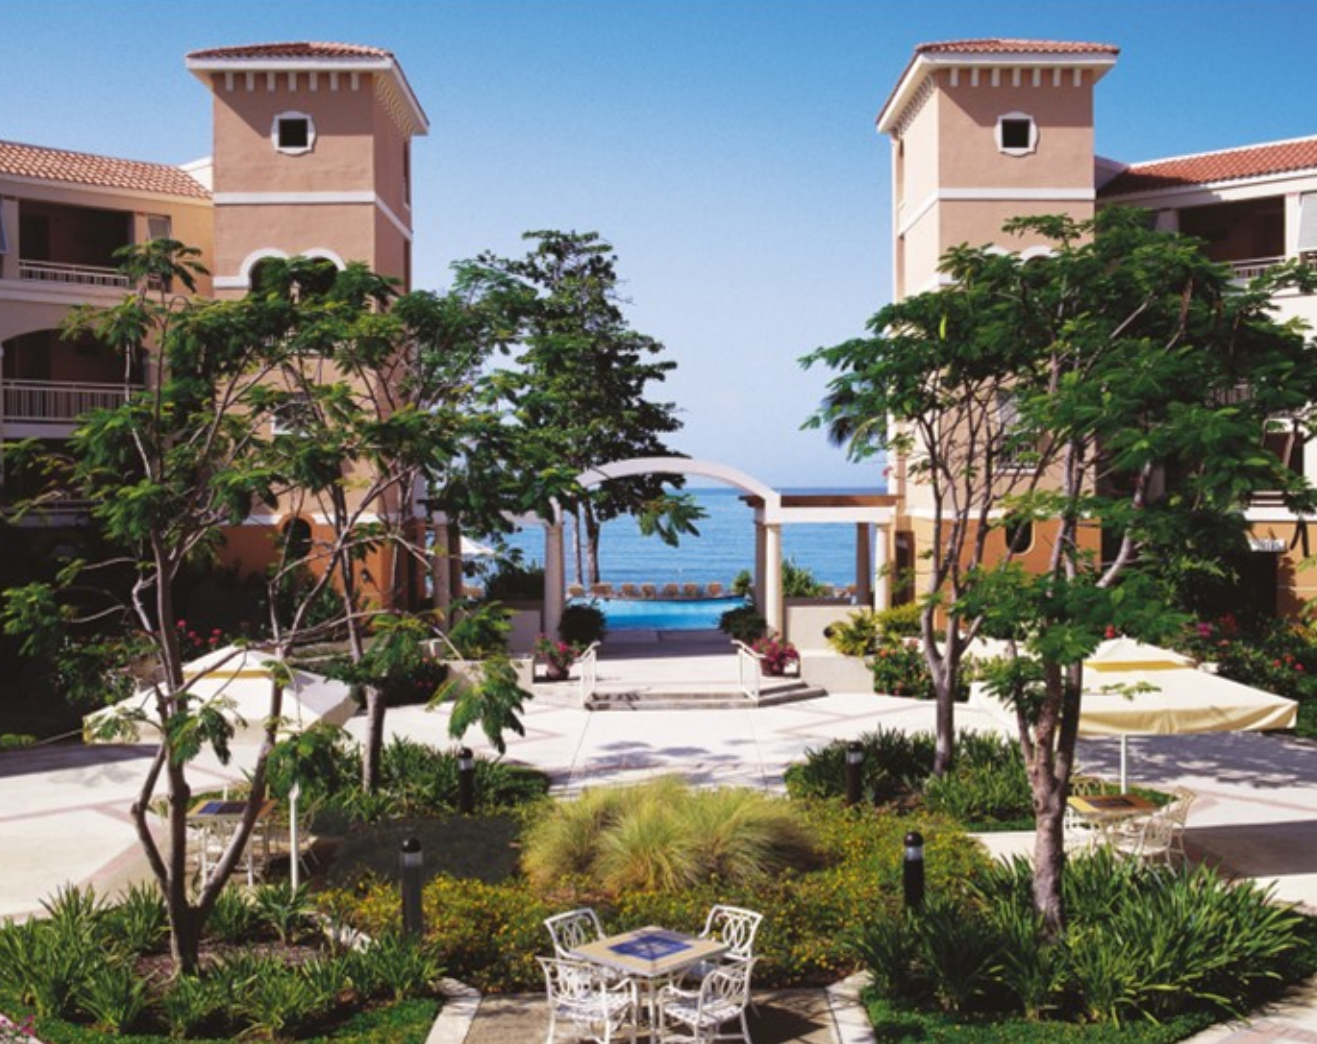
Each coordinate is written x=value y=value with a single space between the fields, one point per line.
x=1181 y=699
x=243 y=677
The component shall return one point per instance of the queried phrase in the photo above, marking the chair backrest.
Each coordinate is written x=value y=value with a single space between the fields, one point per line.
x=1158 y=833
x=725 y=991
x=572 y=929
x=570 y=983
x=734 y=926
x=1179 y=807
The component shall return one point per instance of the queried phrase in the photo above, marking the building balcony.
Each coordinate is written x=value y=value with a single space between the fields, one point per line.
x=71 y=275
x=37 y=409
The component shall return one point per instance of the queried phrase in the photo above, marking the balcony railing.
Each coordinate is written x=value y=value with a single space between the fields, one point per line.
x=56 y=402
x=76 y=275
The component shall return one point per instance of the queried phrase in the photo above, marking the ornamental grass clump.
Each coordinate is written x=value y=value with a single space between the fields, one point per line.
x=1141 y=944
x=664 y=836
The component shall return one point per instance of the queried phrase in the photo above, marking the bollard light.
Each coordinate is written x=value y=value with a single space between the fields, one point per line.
x=854 y=771
x=466 y=781
x=912 y=876
x=412 y=861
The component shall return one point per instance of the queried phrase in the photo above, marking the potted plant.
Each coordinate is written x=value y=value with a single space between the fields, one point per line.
x=776 y=655
x=556 y=656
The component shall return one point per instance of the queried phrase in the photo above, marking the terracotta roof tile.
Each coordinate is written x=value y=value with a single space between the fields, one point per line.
x=33 y=161
x=1253 y=161
x=1009 y=46
x=301 y=49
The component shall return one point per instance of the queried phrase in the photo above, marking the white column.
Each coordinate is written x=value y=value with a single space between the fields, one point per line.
x=882 y=577
x=772 y=578
x=554 y=578
x=863 y=564
x=761 y=564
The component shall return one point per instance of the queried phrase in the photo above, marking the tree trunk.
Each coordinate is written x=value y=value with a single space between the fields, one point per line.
x=1049 y=854
x=577 y=546
x=945 y=671
x=373 y=748
x=592 y=530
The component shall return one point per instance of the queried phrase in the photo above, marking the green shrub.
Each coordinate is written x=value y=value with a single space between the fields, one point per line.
x=1142 y=943
x=15 y=741
x=480 y=631
x=513 y=581
x=987 y=785
x=901 y=670
x=800 y=582
x=139 y=921
x=582 y=623
x=857 y=635
x=395 y=965
x=744 y=623
x=233 y=918
x=192 y=1003
x=900 y=621
x=283 y=909
x=114 y=996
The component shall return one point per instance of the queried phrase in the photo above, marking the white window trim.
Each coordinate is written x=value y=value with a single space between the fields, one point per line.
x=310 y=132
x=1033 y=134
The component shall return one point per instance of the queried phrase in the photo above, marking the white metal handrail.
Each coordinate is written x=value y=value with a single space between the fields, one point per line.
x=588 y=671
x=749 y=669
x=58 y=402
x=81 y=275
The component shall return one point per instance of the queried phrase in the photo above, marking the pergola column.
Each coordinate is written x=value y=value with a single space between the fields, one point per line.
x=863 y=564
x=761 y=561
x=555 y=577
x=882 y=575
x=772 y=578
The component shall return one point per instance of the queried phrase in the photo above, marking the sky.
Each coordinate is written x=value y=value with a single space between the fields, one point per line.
x=726 y=148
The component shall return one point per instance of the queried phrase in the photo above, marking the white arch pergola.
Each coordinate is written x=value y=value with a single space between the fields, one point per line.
x=770 y=515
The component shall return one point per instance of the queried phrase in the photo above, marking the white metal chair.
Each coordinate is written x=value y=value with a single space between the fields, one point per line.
x=581 y=994
x=1178 y=811
x=696 y=1016
x=1146 y=837
x=572 y=929
x=735 y=927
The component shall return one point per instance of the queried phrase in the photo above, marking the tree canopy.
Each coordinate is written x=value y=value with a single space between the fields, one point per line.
x=1113 y=393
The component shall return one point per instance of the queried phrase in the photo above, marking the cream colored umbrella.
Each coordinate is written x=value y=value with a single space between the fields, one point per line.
x=1135 y=689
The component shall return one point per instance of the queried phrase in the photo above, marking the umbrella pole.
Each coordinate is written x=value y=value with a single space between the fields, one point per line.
x=1124 y=762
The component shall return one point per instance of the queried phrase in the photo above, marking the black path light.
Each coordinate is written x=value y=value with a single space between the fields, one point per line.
x=466 y=781
x=412 y=861
x=854 y=771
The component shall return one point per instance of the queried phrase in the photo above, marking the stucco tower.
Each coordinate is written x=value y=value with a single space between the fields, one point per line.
x=983 y=131
x=312 y=156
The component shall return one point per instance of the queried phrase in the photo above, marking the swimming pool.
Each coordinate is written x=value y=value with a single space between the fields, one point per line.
x=690 y=614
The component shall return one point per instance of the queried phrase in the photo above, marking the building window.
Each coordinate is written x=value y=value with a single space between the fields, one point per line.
x=1019 y=535
x=1017 y=134
x=293 y=133
x=297 y=416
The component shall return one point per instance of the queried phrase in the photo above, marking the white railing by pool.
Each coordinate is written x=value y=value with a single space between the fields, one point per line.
x=78 y=275
x=748 y=670
x=57 y=402
x=587 y=668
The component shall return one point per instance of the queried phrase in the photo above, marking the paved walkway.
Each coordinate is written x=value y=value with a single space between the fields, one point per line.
x=63 y=810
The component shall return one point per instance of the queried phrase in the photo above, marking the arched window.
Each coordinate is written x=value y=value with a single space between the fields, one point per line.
x=297 y=539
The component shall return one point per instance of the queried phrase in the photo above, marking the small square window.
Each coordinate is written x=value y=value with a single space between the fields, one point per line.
x=293 y=132
x=1015 y=134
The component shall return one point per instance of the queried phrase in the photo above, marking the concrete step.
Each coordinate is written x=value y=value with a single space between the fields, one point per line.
x=699 y=696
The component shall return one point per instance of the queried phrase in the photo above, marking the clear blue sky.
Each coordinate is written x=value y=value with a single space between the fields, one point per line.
x=725 y=147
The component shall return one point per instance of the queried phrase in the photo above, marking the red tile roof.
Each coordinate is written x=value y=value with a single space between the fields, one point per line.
x=1255 y=161
x=302 y=49
x=1009 y=46
x=82 y=168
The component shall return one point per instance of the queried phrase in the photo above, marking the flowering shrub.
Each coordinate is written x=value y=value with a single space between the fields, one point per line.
x=558 y=655
x=778 y=655
x=17 y=1032
x=197 y=643
x=900 y=670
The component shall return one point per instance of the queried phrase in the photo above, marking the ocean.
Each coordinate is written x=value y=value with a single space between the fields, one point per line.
x=725 y=546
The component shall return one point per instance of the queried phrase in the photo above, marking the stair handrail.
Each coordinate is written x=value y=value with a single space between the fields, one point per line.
x=588 y=664
x=749 y=669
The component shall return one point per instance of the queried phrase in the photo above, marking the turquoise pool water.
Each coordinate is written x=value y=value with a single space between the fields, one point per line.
x=695 y=614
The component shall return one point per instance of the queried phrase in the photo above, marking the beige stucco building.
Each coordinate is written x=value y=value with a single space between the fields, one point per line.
x=985 y=130
x=311 y=156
